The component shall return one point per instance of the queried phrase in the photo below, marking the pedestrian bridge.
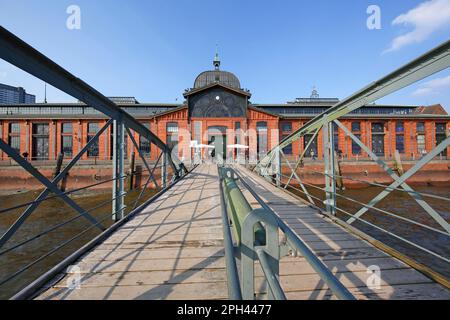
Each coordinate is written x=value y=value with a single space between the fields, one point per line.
x=174 y=249
x=214 y=232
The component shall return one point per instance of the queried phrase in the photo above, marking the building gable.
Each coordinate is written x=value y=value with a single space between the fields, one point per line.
x=217 y=101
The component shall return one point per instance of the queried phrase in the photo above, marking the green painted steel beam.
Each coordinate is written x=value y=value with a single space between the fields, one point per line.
x=239 y=208
x=436 y=60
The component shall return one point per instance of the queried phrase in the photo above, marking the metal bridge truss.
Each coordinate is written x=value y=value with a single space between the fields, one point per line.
x=23 y=56
x=271 y=165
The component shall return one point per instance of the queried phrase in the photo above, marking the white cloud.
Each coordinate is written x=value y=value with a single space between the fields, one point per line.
x=433 y=86
x=426 y=18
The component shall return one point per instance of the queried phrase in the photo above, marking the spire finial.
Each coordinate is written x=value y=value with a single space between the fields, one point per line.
x=314 y=93
x=216 y=61
x=45 y=92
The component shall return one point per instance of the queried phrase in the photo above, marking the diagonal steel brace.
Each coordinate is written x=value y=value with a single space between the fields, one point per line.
x=50 y=186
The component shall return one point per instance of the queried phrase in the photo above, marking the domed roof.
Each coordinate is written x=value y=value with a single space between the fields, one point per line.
x=217 y=76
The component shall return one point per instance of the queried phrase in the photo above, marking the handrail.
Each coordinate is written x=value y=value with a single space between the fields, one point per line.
x=234 y=288
x=239 y=208
x=272 y=281
x=322 y=270
x=333 y=283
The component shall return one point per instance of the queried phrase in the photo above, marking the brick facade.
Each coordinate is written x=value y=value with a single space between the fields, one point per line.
x=158 y=125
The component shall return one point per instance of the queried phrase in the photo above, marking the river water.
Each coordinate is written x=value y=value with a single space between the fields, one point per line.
x=54 y=211
x=49 y=213
x=401 y=204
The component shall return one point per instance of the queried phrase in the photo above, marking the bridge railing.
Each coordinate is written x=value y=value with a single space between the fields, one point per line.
x=18 y=271
x=256 y=239
x=278 y=169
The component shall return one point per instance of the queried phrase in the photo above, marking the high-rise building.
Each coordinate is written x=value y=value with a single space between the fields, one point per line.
x=10 y=94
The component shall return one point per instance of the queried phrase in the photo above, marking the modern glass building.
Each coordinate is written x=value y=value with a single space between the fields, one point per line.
x=15 y=95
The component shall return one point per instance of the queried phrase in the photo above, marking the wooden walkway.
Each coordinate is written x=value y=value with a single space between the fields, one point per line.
x=174 y=250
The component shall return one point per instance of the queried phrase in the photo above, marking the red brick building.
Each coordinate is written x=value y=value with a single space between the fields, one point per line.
x=218 y=111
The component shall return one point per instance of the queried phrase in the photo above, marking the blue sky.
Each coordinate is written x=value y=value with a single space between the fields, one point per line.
x=154 y=49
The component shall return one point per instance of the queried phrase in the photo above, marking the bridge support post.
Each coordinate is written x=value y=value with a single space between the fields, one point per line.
x=164 y=170
x=329 y=170
x=277 y=166
x=118 y=205
x=251 y=249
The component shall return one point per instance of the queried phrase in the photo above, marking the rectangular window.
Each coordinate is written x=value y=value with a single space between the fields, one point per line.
x=261 y=131
x=312 y=151
x=336 y=138
x=288 y=149
x=144 y=143
x=400 y=137
x=93 y=150
x=356 y=149
x=172 y=136
x=441 y=135
x=440 y=127
x=378 y=138
x=420 y=127
x=14 y=127
x=286 y=127
x=14 y=136
x=66 y=127
x=261 y=126
x=400 y=143
x=237 y=130
x=67 y=146
x=67 y=139
x=198 y=131
x=356 y=126
x=378 y=127
x=172 y=127
x=40 y=140
x=93 y=128
x=421 y=143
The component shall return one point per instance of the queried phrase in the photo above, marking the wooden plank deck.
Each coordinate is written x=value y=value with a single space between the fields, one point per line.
x=347 y=255
x=174 y=250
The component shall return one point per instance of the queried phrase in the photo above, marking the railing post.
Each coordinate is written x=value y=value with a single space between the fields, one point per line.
x=277 y=167
x=249 y=246
x=164 y=170
x=328 y=158
x=132 y=171
x=118 y=205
